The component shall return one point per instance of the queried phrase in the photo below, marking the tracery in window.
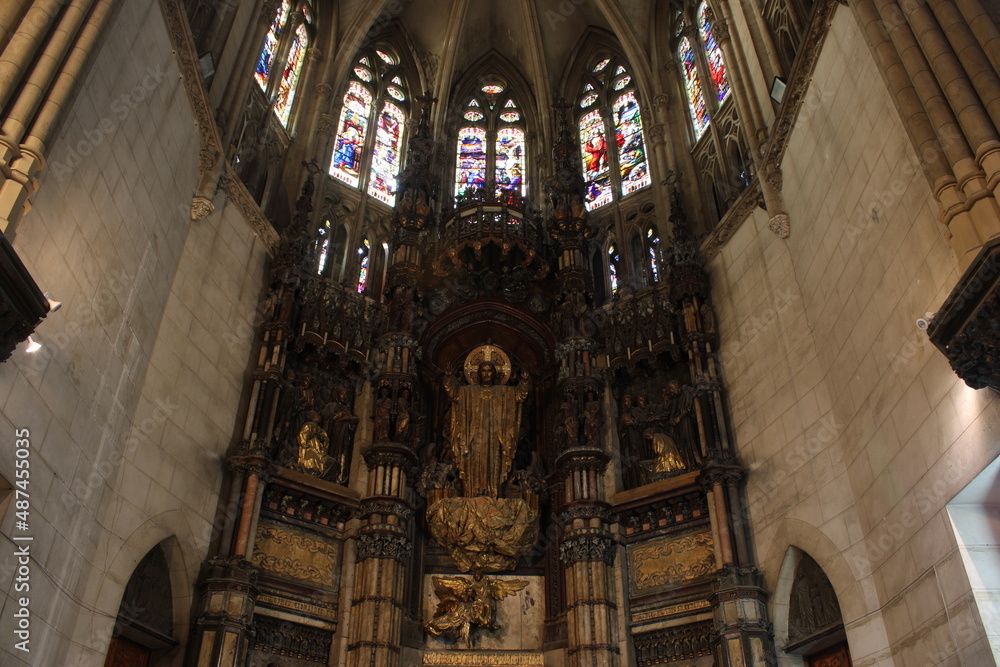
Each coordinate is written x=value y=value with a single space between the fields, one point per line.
x=376 y=87
x=610 y=105
x=491 y=153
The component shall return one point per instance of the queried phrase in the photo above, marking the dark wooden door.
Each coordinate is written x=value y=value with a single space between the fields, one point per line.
x=835 y=656
x=123 y=653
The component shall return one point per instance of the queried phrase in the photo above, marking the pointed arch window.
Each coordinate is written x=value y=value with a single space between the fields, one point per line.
x=282 y=57
x=491 y=152
x=713 y=53
x=613 y=262
x=653 y=253
x=609 y=107
x=703 y=68
x=365 y=257
x=367 y=151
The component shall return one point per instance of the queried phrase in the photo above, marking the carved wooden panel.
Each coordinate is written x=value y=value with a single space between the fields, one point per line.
x=664 y=562
x=291 y=553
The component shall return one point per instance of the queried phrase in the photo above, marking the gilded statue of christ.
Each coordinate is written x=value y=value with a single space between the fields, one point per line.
x=485 y=421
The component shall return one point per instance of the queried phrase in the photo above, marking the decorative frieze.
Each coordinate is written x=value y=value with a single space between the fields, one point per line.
x=682 y=642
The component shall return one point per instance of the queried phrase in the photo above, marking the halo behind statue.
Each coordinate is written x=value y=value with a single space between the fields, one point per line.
x=490 y=353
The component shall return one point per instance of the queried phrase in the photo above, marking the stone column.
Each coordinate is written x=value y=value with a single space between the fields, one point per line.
x=46 y=92
x=222 y=631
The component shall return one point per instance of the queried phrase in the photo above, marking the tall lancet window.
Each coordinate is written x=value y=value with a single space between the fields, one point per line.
x=703 y=68
x=365 y=257
x=279 y=66
x=613 y=260
x=367 y=152
x=491 y=153
x=609 y=107
x=713 y=53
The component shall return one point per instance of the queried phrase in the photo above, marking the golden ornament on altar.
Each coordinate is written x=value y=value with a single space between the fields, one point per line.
x=491 y=354
x=466 y=604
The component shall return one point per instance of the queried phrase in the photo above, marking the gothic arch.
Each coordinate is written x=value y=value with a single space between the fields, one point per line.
x=793 y=533
x=182 y=547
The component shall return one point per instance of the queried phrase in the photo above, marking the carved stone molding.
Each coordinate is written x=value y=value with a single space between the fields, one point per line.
x=291 y=640
x=965 y=328
x=682 y=642
x=208 y=132
x=731 y=221
x=239 y=196
x=774 y=150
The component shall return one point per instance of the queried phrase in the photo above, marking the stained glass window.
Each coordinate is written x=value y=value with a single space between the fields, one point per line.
x=492 y=89
x=366 y=256
x=596 y=167
x=713 y=53
x=473 y=116
x=632 y=165
x=653 y=243
x=385 y=156
x=613 y=268
x=386 y=58
x=290 y=77
x=510 y=117
x=266 y=58
x=351 y=137
x=696 y=99
x=601 y=65
x=363 y=73
x=324 y=247
x=509 y=163
x=471 y=172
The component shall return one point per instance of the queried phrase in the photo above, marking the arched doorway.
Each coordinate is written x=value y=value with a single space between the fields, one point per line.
x=815 y=625
x=144 y=625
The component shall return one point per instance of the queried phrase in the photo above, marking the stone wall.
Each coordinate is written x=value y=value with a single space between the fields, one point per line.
x=132 y=400
x=855 y=429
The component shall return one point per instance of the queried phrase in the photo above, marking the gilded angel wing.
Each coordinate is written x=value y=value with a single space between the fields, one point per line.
x=499 y=589
x=450 y=588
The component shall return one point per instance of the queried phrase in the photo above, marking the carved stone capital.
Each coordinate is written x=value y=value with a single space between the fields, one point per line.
x=780 y=225
x=201 y=208
x=720 y=29
x=313 y=54
x=325 y=90
x=267 y=11
x=384 y=545
x=587 y=545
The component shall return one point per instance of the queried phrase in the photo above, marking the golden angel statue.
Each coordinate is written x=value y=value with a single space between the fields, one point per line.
x=465 y=604
x=485 y=421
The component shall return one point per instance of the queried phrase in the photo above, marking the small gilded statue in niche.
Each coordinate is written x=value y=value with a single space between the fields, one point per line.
x=313 y=445
x=465 y=604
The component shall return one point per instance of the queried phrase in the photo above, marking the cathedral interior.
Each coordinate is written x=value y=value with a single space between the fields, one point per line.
x=562 y=333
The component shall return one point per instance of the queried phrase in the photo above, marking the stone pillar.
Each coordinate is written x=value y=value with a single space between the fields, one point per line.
x=742 y=632
x=587 y=551
x=222 y=631
x=383 y=550
x=48 y=80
